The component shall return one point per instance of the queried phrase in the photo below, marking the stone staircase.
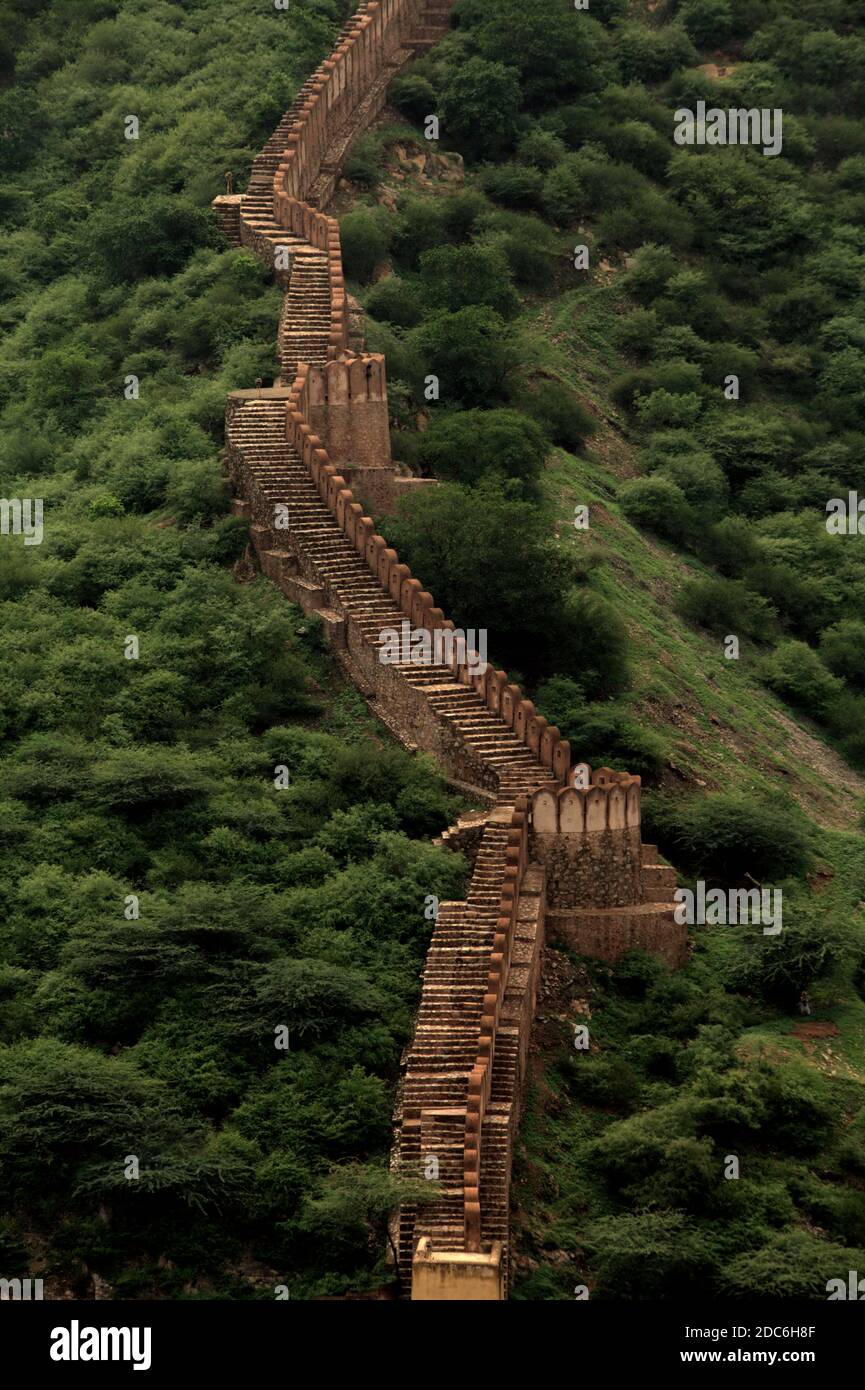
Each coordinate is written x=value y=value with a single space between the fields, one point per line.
x=304 y=323
x=272 y=466
x=321 y=566
x=434 y=24
x=432 y=1120
x=659 y=879
x=459 y=1097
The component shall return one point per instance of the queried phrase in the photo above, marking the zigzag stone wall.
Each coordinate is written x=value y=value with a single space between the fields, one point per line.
x=545 y=855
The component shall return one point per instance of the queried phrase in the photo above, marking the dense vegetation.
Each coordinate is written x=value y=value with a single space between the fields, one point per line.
x=207 y=843
x=626 y=1182
x=736 y=265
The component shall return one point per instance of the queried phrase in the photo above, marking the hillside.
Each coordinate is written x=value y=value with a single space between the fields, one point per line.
x=692 y=722
x=203 y=1006
x=209 y=840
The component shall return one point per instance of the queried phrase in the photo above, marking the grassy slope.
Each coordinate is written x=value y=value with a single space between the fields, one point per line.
x=725 y=727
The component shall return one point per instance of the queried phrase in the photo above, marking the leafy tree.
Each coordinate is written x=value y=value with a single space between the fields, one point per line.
x=480 y=101
x=361 y=1198
x=469 y=351
x=453 y=538
x=364 y=239
x=552 y=55
x=456 y=277
x=466 y=445
x=514 y=184
x=798 y=958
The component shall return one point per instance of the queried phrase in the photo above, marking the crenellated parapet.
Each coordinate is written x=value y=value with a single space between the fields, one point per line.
x=481 y=1076
x=345 y=403
x=501 y=697
x=369 y=43
x=610 y=802
x=588 y=837
x=558 y=848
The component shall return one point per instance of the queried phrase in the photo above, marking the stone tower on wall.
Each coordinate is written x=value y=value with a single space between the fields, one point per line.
x=347 y=409
x=606 y=891
x=346 y=403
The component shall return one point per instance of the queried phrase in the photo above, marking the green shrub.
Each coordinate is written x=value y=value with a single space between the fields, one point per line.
x=637 y=332
x=604 y=735
x=196 y=492
x=365 y=238
x=650 y=55
x=461 y=212
x=543 y=150
x=559 y=414
x=562 y=193
x=396 y=301
x=414 y=95
x=649 y=1254
x=651 y=272
x=794 y=1264
x=676 y=409
x=657 y=503
x=609 y=1082
x=419 y=227
x=627 y=389
x=842 y=648
x=707 y=22
x=702 y=482
x=464 y=446
x=795 y=671
x=639 y=144
x=516 y=185
x=530 y=259
x=727 y=836
x=731 y=545
x=726 y=606
x=362 y=163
